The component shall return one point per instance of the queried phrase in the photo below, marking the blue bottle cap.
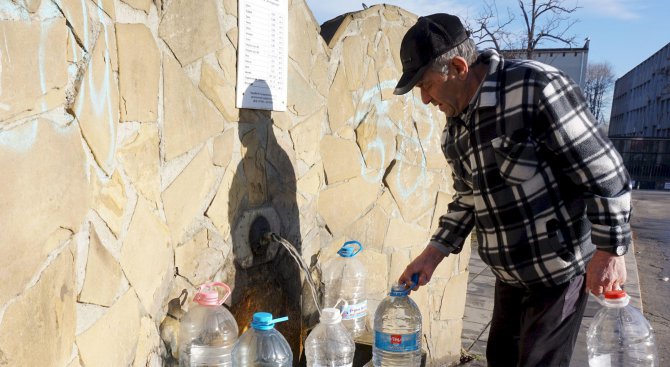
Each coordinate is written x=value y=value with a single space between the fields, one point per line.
x=402 y=290
x=350 y=249
x=264 y=321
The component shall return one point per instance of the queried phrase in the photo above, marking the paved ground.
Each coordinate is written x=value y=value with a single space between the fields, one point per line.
x=651 y=228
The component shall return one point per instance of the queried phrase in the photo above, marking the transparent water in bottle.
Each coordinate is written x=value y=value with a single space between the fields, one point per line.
x=344 y=280
x=397 y=327
x=330 y=344
x=619 y=335
x=262 y=345
x=208 y=331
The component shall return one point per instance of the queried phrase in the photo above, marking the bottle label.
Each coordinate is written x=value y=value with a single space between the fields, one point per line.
x=603 y=360
x=355 y=311
x=398 y=342
x=339 y=365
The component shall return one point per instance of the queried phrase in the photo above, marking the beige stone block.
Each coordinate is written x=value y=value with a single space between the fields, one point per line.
x=403 y=235
x=222 y=148
x=232 y=36
x=108 y=7
x=148 y=351
x=340 y=104
x=103 y=274
x=301 y=97
x=377 y=266
x=413 y=188
x=196 y=260
x=32 y=5
x=140 y=157
x=306 y=136
x=340 y=205
x=311 y=182
x=227 y=60
x=371 y=229
x=191 y=29
x=377 y=142
x=109 y=201
x=75 y=362
x=370 y=27
x=220 y=91
x=44 y=191
x=139 y=74
x=144 y=5
x=390 y=13
x=387 y=203
x=83 y=19
x=341 y=159
x=447 y=268
x=226 y=202
x=39 y=325
x=254 y=168
x=395 y=36
x=33 y=57
x=444 y=342
x=112 y=340
x=231 y=7
x=371 y=82
x=97 y=106
x=184 y=199
x=147 y=258
x=319 y=74
x=353 y=59
x=441 y=207
x=282 y=120
x=453 y=299
x=190 y=118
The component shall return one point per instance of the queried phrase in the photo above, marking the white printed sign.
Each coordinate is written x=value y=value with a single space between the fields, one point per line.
x=262 y=62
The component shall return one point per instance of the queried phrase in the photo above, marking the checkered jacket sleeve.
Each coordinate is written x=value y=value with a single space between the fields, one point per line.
x=459 y=220
x=588 y=158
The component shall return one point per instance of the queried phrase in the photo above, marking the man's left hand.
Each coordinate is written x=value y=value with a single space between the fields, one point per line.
x=605 y=272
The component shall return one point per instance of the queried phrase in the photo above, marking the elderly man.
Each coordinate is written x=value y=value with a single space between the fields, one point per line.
x=548 y=194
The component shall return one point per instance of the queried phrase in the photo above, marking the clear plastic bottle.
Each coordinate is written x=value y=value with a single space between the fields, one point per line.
x=619 y=335
x=397 y=326
x=330 y=344
x=262 y=345
x=344 y=280
x=208 y=331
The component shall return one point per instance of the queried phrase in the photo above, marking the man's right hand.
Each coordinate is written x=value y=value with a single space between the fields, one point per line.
x=424 y=265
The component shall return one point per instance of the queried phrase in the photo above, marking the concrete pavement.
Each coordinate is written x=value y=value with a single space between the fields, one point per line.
x=479 y=306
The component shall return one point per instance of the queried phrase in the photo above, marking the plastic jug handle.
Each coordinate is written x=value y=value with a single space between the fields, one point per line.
x=212 y=285
x=601 y=298
x=350 y=244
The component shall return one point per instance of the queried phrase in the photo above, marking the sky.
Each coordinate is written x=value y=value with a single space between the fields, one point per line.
x=622 y=32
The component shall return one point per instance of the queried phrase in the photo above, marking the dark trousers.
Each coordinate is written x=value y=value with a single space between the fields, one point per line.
x=535 y=327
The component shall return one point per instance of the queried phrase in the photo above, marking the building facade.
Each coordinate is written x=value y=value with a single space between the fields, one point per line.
x=572 y=61
x=640 y=121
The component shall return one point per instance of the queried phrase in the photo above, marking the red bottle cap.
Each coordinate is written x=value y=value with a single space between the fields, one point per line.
x=617 y=294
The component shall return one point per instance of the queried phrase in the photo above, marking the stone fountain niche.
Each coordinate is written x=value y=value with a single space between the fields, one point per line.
x=262 y=200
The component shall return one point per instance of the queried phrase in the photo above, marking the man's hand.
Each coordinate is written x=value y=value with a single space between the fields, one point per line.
x=605 y=272
x=424 y=265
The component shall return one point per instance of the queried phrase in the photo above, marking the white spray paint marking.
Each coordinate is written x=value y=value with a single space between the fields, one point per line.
x=21 y=138
x=409 y=141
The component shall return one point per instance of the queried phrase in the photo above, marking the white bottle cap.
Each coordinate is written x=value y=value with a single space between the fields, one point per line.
x=330 y=316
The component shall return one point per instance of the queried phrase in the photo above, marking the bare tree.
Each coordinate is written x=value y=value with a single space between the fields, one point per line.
x=490 y=27
x=599 y=81
x=543 y=20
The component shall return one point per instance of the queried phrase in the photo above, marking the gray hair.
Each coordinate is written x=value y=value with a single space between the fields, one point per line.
x=466 y=50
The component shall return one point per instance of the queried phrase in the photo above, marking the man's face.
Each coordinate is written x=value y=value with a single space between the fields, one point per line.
x=447 y=92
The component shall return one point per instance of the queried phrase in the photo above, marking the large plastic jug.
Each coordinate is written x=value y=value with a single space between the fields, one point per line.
x=208 y=331
x=397 y=328
x=344 y=280
x=619 y=335
x=262 y=345
x=329 y=344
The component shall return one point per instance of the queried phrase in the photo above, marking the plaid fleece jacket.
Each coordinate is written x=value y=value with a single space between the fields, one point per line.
x=534 y=175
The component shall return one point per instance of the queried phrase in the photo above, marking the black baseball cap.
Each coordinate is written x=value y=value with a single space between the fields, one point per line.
x=429 y=38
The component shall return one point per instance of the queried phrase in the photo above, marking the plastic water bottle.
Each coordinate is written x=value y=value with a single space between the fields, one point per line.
x=208 y=331
x=619 y=335
x=330 y=344
x=344 y=280
x=397 y=327
x=262 y=345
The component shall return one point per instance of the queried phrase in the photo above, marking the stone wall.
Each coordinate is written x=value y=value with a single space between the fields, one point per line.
x=128 y=170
